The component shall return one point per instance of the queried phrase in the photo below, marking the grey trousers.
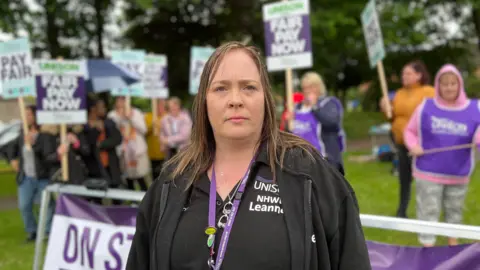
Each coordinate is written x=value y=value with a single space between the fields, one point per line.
x=432 y=198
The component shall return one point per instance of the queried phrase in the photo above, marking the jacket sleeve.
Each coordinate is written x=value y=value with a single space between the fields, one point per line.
x=348 y=242
x=13 y=150
x=410 y=134
x=138 y=122
x=83 y=147
x=114 y=137
x=49 y=149
x=147 y=217
x=329 y=115
x=336 y=211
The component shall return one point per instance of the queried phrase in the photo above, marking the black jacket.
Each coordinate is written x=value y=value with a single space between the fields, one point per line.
x=77 y=171
x=328 y=210
x=42 y=169
x=94 y=165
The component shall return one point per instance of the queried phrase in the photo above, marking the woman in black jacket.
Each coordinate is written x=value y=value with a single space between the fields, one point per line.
x=244 y=195
x=103 y=138
x=27 y=157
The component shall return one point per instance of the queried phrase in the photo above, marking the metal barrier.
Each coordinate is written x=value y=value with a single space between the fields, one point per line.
x=119 y=194
x=370 y=221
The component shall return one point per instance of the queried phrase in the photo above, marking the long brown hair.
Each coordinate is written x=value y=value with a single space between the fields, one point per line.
x=198 y=156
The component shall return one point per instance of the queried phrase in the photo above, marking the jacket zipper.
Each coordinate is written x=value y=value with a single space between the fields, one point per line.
x=307 y=207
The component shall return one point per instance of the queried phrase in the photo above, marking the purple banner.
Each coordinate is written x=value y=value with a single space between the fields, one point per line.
x=390 y=257
x=95 y=236
x=72 y=206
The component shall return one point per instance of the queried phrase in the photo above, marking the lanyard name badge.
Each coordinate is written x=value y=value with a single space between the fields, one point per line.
x=230 y=215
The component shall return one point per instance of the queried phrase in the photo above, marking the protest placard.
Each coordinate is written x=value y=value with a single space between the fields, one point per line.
x=373 y=34
x=375 y=47
x=198 y=58
x=155 y=80
x=16 y=69
x=61 y=94
x=288 y=38
x=134 y=62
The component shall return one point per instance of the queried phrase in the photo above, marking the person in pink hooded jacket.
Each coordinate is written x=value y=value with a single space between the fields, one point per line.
x=449 y=119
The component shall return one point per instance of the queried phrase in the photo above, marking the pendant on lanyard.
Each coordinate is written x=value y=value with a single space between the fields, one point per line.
x=231 y=213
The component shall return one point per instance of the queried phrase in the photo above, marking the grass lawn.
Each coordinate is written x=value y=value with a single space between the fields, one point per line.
x=357 y=124
x=376 y=191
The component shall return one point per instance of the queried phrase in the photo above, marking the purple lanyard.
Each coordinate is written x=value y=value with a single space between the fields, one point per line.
x=212 y=228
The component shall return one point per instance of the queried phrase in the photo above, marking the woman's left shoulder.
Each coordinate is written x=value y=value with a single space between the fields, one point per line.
x=311 y=164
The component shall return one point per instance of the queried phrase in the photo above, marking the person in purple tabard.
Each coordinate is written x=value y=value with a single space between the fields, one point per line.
x=306 y=126
x=442 y=178
x=319 y=120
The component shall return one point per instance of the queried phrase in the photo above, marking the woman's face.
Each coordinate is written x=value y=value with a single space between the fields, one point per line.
x=173 y=108
x=101 y=109
x=310 y=93
x=449 y=87
x=235 y=98
x=30 y=117
x=410 y=76
x=120 y=103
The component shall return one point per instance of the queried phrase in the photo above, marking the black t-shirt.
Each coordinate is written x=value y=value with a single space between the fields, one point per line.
x=259 y=237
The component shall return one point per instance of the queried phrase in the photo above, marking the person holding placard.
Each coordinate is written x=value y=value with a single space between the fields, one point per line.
x=155 y=148
x=416 y=87
x=175 y=128
x=449 y=119
x=103 y=137
x=32 y=172
x=134 y=153
x=318 y=119
x=75 y=147
x=243 y=194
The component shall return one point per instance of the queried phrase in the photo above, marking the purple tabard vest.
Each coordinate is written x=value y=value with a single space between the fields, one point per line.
x=307 y=127
x=441 y=127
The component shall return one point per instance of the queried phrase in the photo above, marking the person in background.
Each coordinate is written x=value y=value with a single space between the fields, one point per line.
x=297 y=99
x=101 y=109
x=176 y=128
x=155 y=153
x=77 y=147
x=32 y=173
x=327 y=112
x=103 y=137
x=449 y=119
x=134 y=153
x=416 y=87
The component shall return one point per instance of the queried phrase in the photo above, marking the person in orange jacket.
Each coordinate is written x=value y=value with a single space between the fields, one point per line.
x=416 y=87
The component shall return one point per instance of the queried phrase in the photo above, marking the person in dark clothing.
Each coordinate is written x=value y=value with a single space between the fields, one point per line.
x=103 y=138
x=27 y=157
x=288 y=207
x=76 y=147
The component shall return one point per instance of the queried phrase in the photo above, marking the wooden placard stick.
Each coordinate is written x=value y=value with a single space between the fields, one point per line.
x=63 y=140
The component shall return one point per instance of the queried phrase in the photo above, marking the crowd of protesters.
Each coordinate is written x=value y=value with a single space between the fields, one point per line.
x=126 y=147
